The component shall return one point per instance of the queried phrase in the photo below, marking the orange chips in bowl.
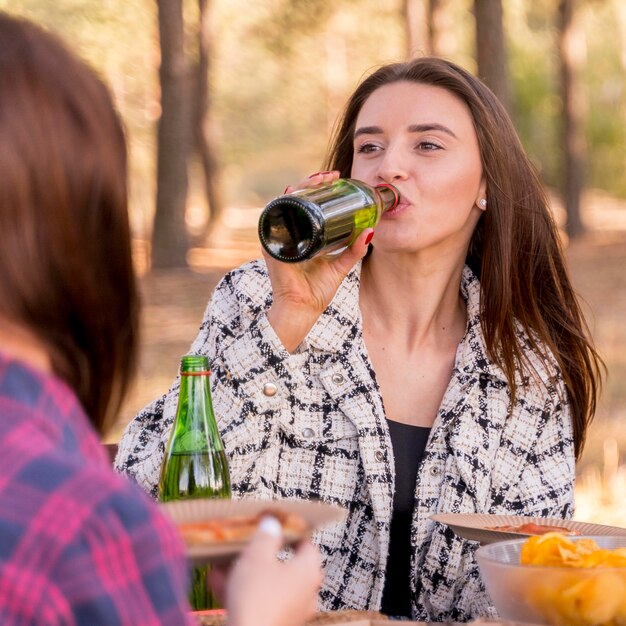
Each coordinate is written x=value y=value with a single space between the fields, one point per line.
x=554 y=549
x=584 y=585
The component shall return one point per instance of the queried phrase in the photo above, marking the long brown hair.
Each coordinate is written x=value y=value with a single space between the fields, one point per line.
x=65 y=262
x=522 y=269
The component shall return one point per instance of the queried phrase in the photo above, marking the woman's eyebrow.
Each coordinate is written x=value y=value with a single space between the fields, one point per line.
x=421 y=128
x=414 y=128
x=368 y=130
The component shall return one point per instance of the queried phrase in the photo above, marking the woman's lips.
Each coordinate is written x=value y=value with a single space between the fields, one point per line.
x=401 y=207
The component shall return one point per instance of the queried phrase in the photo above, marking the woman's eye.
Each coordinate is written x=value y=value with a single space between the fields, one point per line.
x=428 y=146
x=366 y=148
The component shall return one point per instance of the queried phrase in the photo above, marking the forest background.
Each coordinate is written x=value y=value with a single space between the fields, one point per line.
x=227 y=101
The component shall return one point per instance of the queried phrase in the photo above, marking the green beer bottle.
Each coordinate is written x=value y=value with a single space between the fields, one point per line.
x=326 y=218
x=194 y=465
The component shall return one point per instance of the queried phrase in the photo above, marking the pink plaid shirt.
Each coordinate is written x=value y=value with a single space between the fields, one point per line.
x=78 y=544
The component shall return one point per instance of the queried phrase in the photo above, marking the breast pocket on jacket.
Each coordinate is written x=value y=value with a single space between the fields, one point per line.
x=319 y=454
x=245 y=415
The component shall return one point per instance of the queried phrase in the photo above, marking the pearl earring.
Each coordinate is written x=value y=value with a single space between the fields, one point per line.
x=483 y=203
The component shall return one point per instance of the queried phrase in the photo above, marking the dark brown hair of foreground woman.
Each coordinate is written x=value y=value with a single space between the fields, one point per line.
x=515 y=249
x=62 y=211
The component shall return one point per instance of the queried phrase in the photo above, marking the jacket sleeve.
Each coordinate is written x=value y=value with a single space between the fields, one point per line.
x=250 y=375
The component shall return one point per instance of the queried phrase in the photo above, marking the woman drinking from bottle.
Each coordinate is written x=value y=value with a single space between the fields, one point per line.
x=441 y=366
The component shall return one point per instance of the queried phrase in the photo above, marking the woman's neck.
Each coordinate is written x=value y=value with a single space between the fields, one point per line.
x=419 y=301
x=18 y=342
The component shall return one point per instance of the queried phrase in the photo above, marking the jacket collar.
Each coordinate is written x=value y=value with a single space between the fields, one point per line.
x=336 y=328
x=472 y=356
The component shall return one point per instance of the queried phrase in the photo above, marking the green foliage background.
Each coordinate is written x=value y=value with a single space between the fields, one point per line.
x=281 y=70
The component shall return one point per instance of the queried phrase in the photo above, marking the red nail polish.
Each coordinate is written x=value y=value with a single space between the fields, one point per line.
x=286 y=188
x=369 y=238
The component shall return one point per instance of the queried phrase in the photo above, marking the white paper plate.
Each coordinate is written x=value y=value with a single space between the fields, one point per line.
x=315 y=514
x=480 y=527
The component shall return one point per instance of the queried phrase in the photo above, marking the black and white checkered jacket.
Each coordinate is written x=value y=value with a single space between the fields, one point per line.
x=311 y=425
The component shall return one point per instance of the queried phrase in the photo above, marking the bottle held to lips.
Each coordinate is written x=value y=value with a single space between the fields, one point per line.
x=322 y=219
x=194 y=465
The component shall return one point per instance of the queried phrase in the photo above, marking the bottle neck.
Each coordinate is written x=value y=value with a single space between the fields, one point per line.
x=389 y=195
x=195 y=411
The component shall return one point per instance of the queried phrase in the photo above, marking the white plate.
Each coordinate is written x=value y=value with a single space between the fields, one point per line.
x=315 y=514
x=480 y=527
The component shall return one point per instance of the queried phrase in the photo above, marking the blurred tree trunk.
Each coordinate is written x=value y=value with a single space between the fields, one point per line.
x=571 y=53
x=416 y=28
x=427 y=30
x=204 y=139
x=337 y=75
x=438 y=27
x=491 y=49
x=169 y=235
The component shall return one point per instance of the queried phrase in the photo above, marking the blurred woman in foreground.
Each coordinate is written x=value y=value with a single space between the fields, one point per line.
x=78 y=544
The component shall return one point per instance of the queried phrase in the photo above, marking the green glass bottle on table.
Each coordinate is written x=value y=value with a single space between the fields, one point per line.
x=194 y=465
x=322 y=219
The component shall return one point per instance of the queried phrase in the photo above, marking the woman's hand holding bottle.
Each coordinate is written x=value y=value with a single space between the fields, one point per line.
x=302 y=291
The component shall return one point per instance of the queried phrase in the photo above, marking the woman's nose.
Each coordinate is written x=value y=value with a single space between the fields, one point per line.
x=392 y=167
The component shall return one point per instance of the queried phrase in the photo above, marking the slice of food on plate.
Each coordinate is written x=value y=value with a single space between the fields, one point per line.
x=530 y=528
x=487 y=528
x=240 y=528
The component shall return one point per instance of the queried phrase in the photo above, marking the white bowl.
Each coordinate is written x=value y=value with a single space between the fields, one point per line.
x=557 y=596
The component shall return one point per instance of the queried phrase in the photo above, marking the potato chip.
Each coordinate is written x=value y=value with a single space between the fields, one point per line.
x=603 y=558
x=545 y=595
x=595 y=600
x=555 y=549
x=586 y=546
